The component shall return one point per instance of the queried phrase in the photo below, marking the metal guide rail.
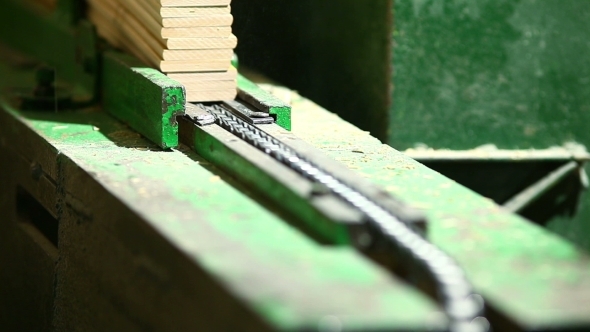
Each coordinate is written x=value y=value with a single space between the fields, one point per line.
x=464 y=308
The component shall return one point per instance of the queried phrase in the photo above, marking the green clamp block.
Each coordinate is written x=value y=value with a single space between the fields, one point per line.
x=264 y=101
x=144 y=98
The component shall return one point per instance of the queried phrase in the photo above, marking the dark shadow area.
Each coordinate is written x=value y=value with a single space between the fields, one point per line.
x=499 y=180
x=502 y=180
x=30 y=211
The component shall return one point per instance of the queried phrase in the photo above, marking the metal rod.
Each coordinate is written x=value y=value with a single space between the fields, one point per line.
x=530 y=194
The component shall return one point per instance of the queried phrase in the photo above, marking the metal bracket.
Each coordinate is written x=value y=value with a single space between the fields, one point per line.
x=198 y=115
x=246 y=114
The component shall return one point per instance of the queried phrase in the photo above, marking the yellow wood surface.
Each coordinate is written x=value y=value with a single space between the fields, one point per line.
x=190 y=37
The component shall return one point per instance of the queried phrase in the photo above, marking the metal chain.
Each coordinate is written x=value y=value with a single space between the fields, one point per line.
x=462 y=306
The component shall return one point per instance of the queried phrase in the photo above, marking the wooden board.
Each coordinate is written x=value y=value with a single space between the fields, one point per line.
x=210 y=85
x=193 y=11
x=177 y=55
x=201 y=43
x=192 y=38
x=203 y=96
x=193 y=65
x=194 y=32
x=209 y=20
x=190 y=3
x=230 y=74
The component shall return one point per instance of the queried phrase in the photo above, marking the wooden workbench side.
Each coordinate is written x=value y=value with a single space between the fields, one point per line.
x=155 y=239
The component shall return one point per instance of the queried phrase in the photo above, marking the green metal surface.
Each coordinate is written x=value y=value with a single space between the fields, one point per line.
x=512 y=73
x=537 y=279
x=264 y=101
x=219 y=228
x=144 y=98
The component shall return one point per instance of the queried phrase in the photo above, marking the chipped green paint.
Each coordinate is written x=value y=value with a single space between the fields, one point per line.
x=525 y=272
x=144 y=98
x=259 y=98
x=228 y=234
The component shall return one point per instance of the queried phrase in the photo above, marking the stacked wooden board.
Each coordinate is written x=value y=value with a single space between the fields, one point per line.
x=189 y=40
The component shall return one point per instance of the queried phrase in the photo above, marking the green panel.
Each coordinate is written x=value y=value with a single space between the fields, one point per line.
x=264 y=101
x=144 y=98
x=514 y=73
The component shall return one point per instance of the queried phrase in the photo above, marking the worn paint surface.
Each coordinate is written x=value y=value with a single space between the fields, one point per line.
x=513 y=73
x=228 y=234
x=250 y=92
x=144 y=98
x=526 y=272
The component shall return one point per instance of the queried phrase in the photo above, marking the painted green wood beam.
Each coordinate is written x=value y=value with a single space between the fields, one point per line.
x=260 y=99
x=144 y=98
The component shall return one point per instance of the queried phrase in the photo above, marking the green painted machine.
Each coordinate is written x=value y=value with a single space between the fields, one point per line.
x=122 y=208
